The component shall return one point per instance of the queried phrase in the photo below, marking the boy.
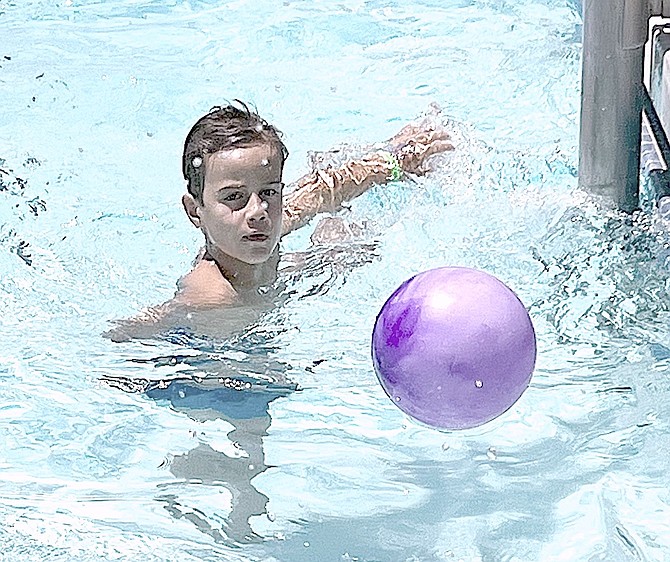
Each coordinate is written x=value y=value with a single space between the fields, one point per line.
x=233 y=164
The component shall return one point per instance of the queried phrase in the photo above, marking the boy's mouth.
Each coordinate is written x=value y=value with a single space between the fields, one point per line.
x=256 y=237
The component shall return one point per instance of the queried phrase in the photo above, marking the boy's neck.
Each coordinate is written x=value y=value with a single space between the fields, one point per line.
x=244 y=277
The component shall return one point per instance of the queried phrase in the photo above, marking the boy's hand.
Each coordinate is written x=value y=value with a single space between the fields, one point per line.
x=415 y=142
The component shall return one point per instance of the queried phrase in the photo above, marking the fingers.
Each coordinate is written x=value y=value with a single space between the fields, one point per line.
x=439 y=146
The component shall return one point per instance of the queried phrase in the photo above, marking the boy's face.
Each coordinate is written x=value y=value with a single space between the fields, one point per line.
x=241 y=209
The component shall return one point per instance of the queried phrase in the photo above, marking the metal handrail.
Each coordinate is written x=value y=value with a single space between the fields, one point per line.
x=655 y=124
x=613 y=96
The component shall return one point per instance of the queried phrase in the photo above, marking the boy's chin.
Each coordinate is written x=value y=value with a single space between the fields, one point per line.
x=248 y=256
x=258 y=258
x=257 y=261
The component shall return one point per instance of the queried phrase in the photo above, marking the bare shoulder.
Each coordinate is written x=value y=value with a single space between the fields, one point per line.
x=202 y=288
x=146 y=324
x=205 y=286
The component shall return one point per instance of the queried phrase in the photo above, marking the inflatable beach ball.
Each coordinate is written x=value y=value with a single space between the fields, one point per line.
x=453 y=347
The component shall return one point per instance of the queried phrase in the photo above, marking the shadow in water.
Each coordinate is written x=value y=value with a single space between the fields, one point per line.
x=244 y=407
x=238 y=392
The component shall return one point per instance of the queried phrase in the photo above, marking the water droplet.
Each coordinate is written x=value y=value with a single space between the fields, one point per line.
x=492 y=454
x=251 y=467
x=182 y=394
x=445 y=446
x=173 y=360
x=270 y=516
x=247 y=386
x=397 y=398
x=305 y=544
x=479 y=383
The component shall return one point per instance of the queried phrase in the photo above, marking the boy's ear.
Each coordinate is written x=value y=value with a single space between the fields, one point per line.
x=192 y=209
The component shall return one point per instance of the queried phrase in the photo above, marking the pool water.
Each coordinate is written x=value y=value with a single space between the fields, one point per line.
x=277 y=442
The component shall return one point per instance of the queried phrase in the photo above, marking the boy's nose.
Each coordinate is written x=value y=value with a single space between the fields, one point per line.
x=257 y=208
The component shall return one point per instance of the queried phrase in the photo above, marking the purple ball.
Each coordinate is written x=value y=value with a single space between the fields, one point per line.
x=453 y=347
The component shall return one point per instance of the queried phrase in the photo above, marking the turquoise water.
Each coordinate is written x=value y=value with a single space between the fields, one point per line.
x=96 y=100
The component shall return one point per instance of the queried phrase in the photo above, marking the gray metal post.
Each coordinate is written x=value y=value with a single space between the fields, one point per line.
x=612 y=72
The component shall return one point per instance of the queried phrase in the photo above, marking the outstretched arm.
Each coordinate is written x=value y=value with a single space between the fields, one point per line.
x=326 y=189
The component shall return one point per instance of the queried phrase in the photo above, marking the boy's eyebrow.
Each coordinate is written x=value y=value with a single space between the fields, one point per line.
x=242 y=185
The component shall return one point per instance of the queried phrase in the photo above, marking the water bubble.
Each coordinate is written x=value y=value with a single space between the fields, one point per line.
x=182 y=394
x=445 y=446
x=479 y=383
x=305 y=544
x=492 y=454
x=270 y=516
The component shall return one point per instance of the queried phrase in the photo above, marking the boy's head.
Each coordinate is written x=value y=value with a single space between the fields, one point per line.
x=233 y=162
x=225 y=128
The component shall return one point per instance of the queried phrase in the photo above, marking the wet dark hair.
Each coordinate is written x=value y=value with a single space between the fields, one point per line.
x=224 y=128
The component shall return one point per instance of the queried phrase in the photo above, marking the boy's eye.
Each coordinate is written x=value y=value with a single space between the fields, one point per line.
x=271 y=191
x=233 y=196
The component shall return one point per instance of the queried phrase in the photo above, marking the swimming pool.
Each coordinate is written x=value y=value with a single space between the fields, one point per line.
x=96 y=100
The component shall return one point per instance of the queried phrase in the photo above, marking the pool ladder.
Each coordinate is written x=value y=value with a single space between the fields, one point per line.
x=614 y=98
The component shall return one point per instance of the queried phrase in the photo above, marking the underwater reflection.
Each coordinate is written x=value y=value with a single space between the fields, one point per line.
x=239 y=392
